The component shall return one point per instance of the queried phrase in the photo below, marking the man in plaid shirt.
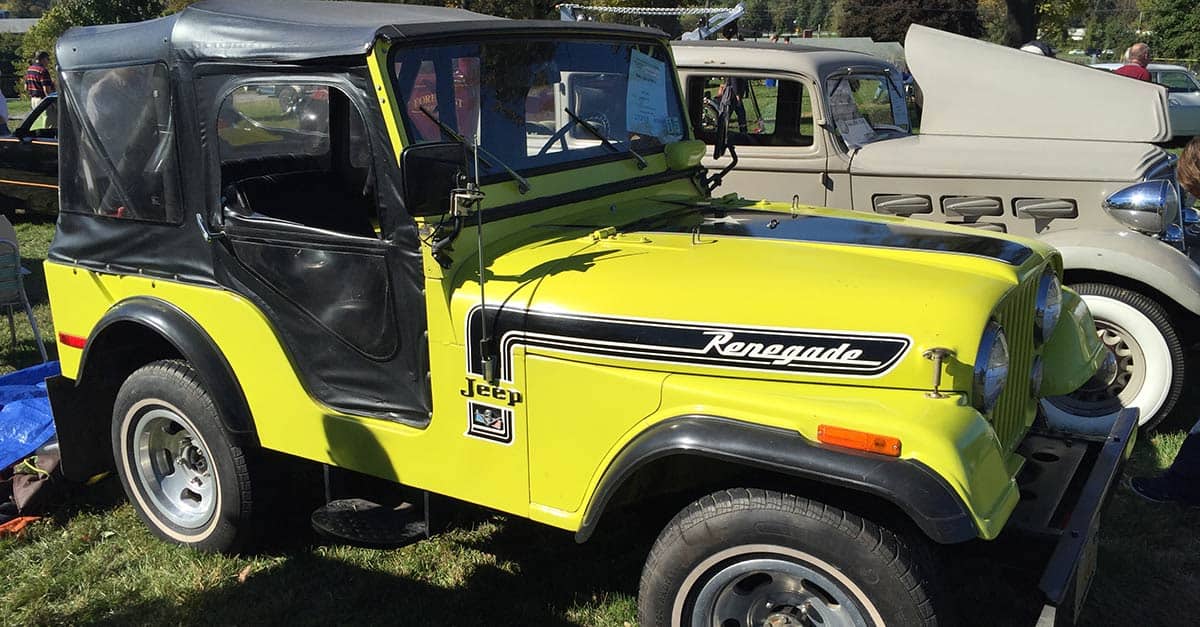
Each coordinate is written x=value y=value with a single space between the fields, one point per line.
x=38 y=82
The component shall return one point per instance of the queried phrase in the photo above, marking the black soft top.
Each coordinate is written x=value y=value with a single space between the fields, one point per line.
x=288 y=31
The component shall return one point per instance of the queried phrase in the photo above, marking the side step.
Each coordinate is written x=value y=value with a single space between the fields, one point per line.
x=363 y=523
x=366 y=523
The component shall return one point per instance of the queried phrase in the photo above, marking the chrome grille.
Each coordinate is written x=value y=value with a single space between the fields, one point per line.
x=1015 y=410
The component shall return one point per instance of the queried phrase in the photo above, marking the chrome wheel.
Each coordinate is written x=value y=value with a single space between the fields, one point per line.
x=173 y=466
x=773 y=592
x=1110 y=390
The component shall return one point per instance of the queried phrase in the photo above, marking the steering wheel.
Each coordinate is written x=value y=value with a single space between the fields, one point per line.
x=559 y=136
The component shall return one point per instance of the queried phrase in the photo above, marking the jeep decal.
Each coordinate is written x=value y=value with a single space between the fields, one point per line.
x=798 y=351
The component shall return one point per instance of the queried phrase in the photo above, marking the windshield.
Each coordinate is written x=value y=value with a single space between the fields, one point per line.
x=867 y=107
x=517 y=95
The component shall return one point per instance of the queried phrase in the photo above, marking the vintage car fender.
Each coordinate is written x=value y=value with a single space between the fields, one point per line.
x=1134 y=256
x=1074 y=341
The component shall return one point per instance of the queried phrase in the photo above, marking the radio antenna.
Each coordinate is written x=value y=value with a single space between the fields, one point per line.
x=485 y=338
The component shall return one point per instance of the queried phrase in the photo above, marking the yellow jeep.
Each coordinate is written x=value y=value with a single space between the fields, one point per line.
x=479 y=258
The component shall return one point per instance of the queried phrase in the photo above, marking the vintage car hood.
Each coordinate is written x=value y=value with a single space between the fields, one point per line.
x=975 y=88
x=819 y=296
x=1001 y=157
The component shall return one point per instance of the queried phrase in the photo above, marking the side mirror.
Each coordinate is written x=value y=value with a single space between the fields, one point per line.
x=430 y=172
x=721 y=141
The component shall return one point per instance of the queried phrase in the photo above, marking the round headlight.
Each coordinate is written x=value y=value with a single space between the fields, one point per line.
x=991 y=368
x=1048 y=307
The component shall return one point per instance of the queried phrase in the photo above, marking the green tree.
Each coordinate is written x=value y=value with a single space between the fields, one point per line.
x=1175 y=28
x=888 y=20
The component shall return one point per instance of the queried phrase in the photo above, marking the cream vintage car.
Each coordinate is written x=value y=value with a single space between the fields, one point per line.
x=1008 y=141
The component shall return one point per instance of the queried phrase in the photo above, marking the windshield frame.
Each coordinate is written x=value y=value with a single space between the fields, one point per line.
x=398 y=48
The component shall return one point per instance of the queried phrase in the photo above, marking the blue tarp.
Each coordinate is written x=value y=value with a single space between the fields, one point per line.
x=25 y=419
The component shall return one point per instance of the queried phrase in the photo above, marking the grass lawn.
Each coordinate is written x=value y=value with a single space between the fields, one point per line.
x=92 y=561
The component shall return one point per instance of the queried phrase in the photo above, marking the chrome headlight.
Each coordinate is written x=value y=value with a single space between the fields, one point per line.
x=1048 y=306
x=1147 y=207
x=991 y=368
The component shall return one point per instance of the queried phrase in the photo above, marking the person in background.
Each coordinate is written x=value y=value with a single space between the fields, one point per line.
x=4 y=130
x=38 y=82
x=1135 y=65
x=1181 y=482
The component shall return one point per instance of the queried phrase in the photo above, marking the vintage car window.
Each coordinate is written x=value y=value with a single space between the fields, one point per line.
x=517 y=93
x=124 y=162
x=1178 y=82
x=44 y=125
x=867 y=107
x=763 y=111
x=298 y=153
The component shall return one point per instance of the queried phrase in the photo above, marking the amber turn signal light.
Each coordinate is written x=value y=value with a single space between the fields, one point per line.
x=859 y=440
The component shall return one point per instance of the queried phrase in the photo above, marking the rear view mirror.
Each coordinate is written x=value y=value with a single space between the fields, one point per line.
x=430 y=172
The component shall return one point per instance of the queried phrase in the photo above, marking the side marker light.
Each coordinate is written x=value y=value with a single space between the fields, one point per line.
x=859 y=440
x=74 y=341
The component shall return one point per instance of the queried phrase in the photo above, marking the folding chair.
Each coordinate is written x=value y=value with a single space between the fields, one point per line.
x=12 y=286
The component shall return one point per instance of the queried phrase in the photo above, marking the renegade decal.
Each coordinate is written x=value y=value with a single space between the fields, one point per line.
x=798 y=351
x=490 y=423
x=834 y=230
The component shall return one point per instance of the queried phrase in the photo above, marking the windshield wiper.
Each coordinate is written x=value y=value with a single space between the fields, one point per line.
x=604 y=140
x=486 y=157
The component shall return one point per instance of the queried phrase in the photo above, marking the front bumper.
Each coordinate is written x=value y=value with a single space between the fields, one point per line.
x=1068 y=575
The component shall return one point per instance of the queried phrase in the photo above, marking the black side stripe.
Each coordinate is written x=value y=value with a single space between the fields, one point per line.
x=781 y=350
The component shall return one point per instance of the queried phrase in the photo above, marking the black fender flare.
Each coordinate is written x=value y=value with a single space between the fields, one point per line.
x=917 y=490
x=192 y=343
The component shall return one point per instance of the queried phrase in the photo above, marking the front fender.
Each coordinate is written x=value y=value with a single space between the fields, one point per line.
x=1073 y=343
x=1133 y=255
x=913 y=487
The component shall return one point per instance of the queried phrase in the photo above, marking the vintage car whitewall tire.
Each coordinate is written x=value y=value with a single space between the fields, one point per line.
x=755 y=557
x=1150 y=364
x=187 y=480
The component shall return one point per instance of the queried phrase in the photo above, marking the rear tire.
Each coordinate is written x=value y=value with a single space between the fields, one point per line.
x=752 y=557
x=185 y=476
x=1150 y=360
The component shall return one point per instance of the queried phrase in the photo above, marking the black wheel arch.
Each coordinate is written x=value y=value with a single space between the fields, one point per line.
x=922 y=495
x=131 y=334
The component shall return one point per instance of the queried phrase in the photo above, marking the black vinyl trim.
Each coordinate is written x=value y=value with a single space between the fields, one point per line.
x=190 y=340
x=917 y=490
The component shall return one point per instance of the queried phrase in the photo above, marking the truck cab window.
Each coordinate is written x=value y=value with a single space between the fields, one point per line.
x=297 y=153
x=763 y=111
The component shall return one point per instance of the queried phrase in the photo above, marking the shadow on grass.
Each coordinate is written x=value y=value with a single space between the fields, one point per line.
x=335 y=585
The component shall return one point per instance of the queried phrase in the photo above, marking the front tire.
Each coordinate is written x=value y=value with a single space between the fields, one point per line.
x=1150 y=364
x=757 y=557
x=187 y=480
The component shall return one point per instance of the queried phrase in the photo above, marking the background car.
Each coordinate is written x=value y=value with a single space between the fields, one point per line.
x=1183 y=90
x=29 y=163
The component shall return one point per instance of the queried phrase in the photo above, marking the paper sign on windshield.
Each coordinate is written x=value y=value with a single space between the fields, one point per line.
x=646 y=98
x=854 y=129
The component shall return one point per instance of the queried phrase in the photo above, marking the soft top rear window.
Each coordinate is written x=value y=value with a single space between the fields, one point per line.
x=119 y=144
